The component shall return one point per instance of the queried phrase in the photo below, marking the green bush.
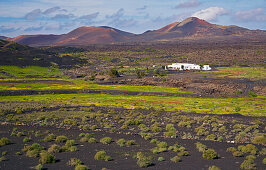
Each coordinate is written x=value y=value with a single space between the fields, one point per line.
x=161 y=159
x=248 y=165
x=81 y=167
x=231 y=149
x=33 y=150
x=92 y=140
x=201 y=147
x=264 y=161
x=70 y=143
x=162 y=144
x=211 y=137
x=39 y=167
x=4 y=141
x=106 y=140
x=175 y=159
x=26 y=139
x=143 y=161
x=183 y=153
x=61 y=139
x=54 y=149
x=252 y=93
x=209 y=154
x=130 y=142
x=74 y=162
x=238 y=154
x=101 y=155
x=171 y=134
x=249 y=148
x=121 y=142
x=214 y=168
x=154 y=141
x=49 y=138
x=250 y=157
x=46 y=157
x=84 y=139
x=73 y=148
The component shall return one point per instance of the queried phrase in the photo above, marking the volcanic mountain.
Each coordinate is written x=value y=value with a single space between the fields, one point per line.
x=194 y=28
x=78 y=37
x=191 y=28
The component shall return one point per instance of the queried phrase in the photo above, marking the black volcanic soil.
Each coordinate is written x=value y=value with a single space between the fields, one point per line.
x=122 y=156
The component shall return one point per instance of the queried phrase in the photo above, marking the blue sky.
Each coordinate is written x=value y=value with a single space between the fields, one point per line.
x=61 y=16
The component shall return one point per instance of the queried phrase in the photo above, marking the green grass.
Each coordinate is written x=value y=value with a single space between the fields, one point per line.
x=17 y=72
x=253 y=73
x=248 y=106
x=79 y=84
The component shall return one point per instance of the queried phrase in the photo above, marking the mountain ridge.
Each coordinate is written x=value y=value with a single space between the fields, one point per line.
x=190 y=28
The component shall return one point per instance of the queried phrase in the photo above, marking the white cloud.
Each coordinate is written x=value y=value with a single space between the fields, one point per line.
x=188 y=4
x=210 y=14
x=257 y=14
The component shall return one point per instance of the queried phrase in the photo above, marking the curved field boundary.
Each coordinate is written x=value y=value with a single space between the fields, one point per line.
x=97 y=91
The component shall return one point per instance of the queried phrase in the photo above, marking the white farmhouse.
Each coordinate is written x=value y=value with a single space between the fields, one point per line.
x=187 y=66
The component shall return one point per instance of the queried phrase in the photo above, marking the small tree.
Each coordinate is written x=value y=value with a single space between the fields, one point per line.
x=140 y=73
x=113 y=72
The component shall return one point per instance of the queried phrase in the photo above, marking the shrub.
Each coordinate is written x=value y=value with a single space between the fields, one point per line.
x=211 y=137
x=131 y=142
x=162 y=144
x=39 y=167
x=183 y=153
x=251 y=157
x=263 y=151
x=26 y=139
x=214 y=168
x=84 y=139
x=33 y=150
x=70 y=143
x=170 y=127
x=143 y=161
x=161 y=159
x=175 y=159
x=49 y=138
x=171 y=134
x=92 y=140
x=154 y=141
x=252 y=93
x=61 y=139
x=231 y=149
x=101 y=155
x=46 y=157
x=106 y=140
x=72 y=148
x=264 y=161
x=19 y=134
x=249 y=148
x=4 y=141
x=81 y=167
x=201 y=147
x=113 y=73
x=54 y=149
x=209 y=154
x=74 y=162
x=121 y=142
x=238 y=154
x=248 y=165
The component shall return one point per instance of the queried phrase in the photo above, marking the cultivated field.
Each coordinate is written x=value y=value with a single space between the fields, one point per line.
x=122 y=113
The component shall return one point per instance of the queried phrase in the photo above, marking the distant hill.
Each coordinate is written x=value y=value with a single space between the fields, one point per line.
x=191 y=28
x=78 y=37
x=3 y=37
x=12 y=53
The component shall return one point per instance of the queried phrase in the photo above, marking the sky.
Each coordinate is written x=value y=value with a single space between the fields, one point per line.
x=19 y=17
